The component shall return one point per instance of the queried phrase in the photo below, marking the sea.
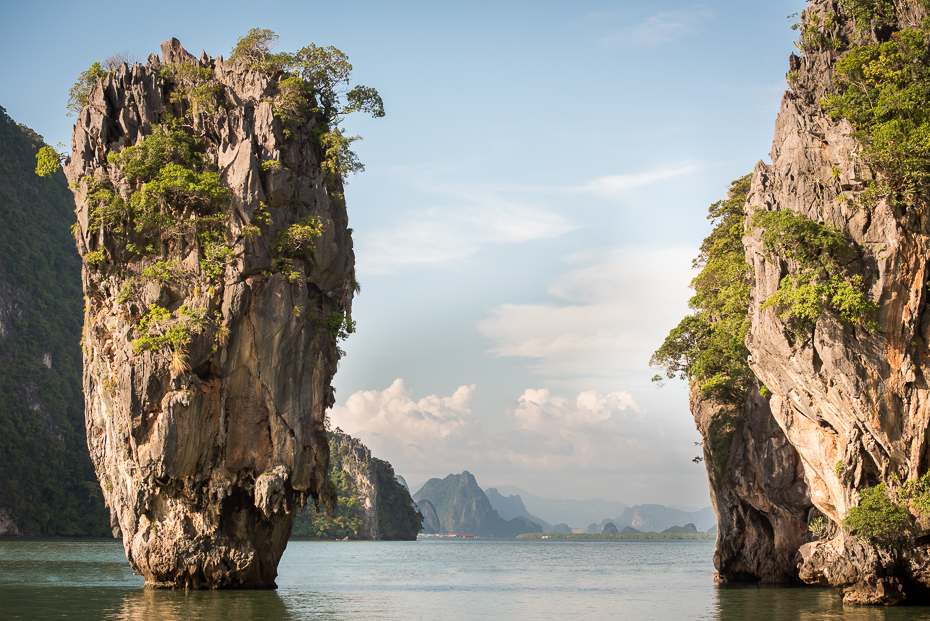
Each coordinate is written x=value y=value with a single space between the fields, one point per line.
x=437 y=579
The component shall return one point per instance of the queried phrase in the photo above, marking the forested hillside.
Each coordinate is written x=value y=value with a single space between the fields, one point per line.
x=47 y=484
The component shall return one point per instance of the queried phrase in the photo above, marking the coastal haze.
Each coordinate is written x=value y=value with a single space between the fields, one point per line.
x=525 y=225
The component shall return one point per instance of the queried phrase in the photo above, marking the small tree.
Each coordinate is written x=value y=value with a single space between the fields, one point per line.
x=79 y=95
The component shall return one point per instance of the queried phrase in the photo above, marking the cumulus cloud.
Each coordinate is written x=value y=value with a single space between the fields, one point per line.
x=395 y=423
x=544 y=432
x=661 y=27
x=611 y=311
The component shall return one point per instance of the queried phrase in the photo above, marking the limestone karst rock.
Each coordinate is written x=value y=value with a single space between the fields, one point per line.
x=210 y=338
x=852 y=400
x=758 y=491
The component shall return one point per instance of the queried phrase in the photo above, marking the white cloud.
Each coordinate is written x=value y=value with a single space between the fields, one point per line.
x=467 y=221
x=396 y=424
x=545 y=432
x=661 y=27
x=614 y=310
x=615 y=186
x=468 y=218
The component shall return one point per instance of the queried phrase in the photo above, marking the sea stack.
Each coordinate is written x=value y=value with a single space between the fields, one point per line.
x=218 y=276
x=822 y=467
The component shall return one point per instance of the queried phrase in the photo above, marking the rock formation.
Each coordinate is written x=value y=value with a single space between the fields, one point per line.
x=462 y=507
x=849 y=397
x=757 y=488
x=218 y=275
x=371 y=501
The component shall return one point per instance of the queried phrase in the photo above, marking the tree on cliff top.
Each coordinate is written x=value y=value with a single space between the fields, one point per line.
x=316 y=81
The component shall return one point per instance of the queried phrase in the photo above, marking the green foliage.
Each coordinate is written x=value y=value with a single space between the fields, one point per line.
x=839 y=467
x=820 y=282
x=162 y=330
x=339 y=159
x=96 y=257
x=216 y=254
x=174 y=194
x=79 y=95
x=48 y=484
x=877 y=517
x=398 y=516
x=339 y=325
x=884 y=91
x=48 y=161
x=296 y=241
x=193 y=87
x=917 y=495
x=817 y=33
x=864 y=12
x=164 y=271
x=316 y=84
x=708 y=346
x=254 y=49
x=819 y=526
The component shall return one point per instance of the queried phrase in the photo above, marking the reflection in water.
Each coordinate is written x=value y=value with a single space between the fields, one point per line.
x=149 y=605
x=759 y=603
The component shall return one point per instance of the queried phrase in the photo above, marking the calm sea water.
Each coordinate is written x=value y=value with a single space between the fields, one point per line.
x=435 y=580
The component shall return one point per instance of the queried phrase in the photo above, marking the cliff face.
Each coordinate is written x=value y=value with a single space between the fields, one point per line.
x=210 y=322
x=757 y=488
x=47 y=486
x=370 y=502
x=852 y=400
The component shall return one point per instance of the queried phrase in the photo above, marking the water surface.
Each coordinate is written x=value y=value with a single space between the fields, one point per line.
x=431 y=579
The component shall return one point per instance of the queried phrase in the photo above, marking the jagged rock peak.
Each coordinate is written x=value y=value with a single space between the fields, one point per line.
x=218 y=273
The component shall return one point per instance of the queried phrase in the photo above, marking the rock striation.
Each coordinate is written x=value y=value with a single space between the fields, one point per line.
x=209 y=345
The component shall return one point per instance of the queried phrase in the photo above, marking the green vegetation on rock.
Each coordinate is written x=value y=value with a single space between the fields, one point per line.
x=708 y=347
x=48 y=484
x=820 y=281
x=884 y=91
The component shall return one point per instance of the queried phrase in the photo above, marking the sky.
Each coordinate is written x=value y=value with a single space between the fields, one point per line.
x=525 y=225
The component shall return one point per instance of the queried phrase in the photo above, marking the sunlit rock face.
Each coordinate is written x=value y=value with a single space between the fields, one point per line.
x=205 y=449
x=852 y=401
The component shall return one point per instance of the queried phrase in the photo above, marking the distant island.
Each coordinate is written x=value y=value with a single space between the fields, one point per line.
x=456 y=505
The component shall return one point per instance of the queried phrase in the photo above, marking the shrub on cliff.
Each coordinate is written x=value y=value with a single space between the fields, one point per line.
x=708 y=347
x=884 y=91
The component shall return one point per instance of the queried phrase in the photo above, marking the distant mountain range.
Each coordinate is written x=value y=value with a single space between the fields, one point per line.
x=562 y=515
x=460 y=506
x=578 y=513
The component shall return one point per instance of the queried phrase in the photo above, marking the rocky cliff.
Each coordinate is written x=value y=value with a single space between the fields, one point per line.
x=757 y=489
x=371 y=501
x=462 y=507
x=850 y=395
x=47 y=485
x=218 y=276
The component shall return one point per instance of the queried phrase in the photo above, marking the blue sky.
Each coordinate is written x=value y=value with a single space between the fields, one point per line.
x=526 y=223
